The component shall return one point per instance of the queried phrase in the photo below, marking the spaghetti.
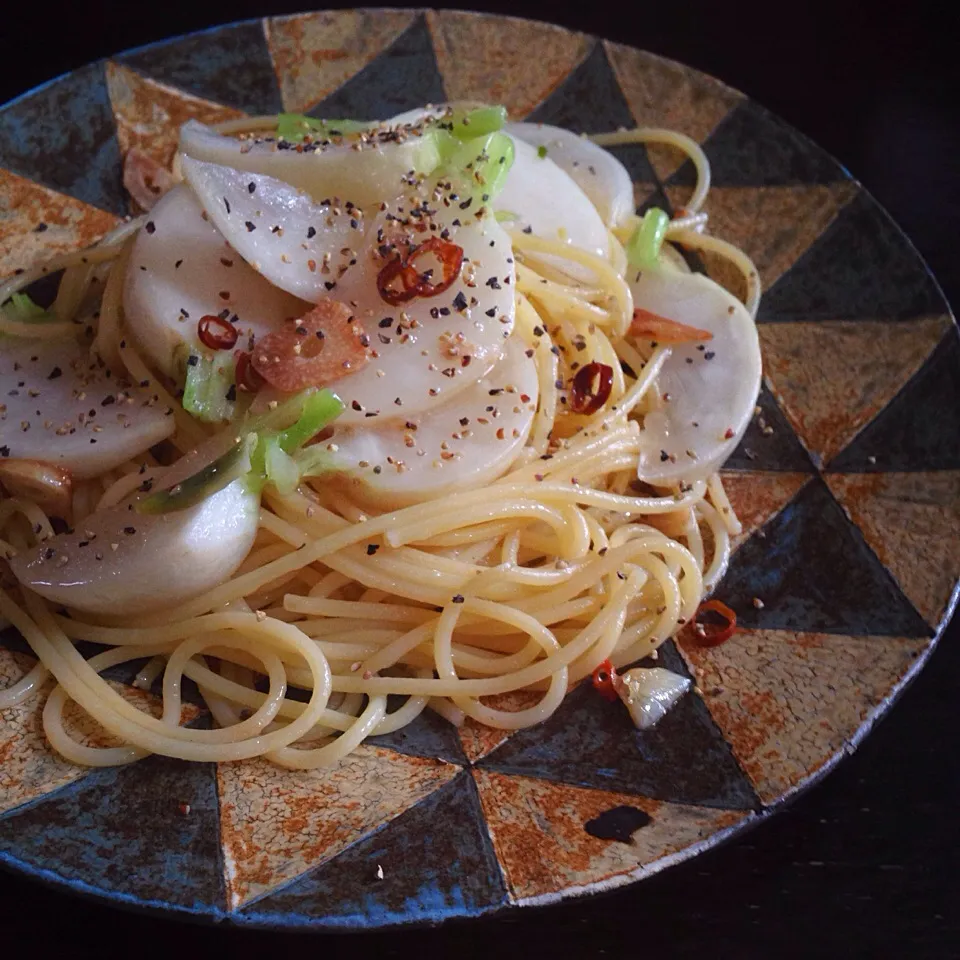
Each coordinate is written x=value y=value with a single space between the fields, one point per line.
x=528 y=583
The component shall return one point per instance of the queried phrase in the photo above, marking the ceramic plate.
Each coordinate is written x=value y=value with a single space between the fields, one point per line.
x=848 y=484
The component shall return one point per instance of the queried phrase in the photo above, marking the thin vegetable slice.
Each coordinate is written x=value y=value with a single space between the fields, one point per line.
x=651 y=326
x=591 y=388
x=710 y=634
x=643 y=248
x=319 y=348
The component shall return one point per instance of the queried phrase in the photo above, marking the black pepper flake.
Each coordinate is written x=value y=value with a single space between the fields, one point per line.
x=54 y=373
x=330 y=284
x=492 y=312
x=372 y=548
x=251 y=187
x=464 y=421
x=41 y=227
x=129 y=531
x=370 y=413
x=146 y=486
x=4 y=451
x=311 y=232
x=150 y=227
x=664 y=456
x=460 y=301
x=709 y=355
x=177 y=265
x=385 y=322
x=378 y=469
x=192 y=360
x=356 y=405
x=250 y=226
x=457 y=598
x=528 y=229
x=493 y=283
x=231 y=394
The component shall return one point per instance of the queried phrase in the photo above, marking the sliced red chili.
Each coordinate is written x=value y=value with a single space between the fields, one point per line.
x=324 y=345
x=591 y=387
x=711 y=634
x=404 y=279
x=605 y=680
x=245 y=374
x=449 y=259
x=651 y=326
x=217 y=333
x=397 y=283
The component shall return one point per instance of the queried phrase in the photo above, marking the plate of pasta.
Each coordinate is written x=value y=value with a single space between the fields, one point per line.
x=447 y=463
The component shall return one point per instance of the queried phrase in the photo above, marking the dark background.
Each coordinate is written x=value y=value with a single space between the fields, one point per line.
x=867 y=863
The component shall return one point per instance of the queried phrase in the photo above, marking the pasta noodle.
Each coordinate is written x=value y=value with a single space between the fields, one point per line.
x=528 y=583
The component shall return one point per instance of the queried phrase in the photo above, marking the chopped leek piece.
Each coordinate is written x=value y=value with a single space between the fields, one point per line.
x=319 y=410
x=479 y=122
x=643 y=248
x=210 y=390
x=295 y=126
x=480 y=166
x=541 y=151
x=279 y=467
x=22 y=309
x=232 y=465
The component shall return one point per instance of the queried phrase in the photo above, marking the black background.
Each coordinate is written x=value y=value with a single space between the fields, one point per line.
x=867 y=863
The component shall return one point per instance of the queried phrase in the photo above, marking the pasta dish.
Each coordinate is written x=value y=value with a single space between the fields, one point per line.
x=358 y=420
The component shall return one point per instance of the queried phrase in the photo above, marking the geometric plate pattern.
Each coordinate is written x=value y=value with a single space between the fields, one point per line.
x=847 y=484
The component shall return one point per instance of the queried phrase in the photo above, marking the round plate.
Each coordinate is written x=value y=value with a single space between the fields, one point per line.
x=848 y=485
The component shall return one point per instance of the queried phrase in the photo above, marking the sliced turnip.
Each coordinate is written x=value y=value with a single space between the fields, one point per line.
x=545 y=198
x=122 y=561
x=60 y=406
x=334 y=168
x=709 y=387
x=299 y=245
x=598 y=173
x=425 y=349
x=470 y=441
x=182 y=269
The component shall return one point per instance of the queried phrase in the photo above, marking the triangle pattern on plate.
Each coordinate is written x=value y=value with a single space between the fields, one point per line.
x=769 y=442
x=29 y=767
x=910 y=521
x=589 y=742
x=753 y=148
x=832 y=377
x=663 y=93
x=845 y=591
x=788 y=702
x=149 y=114
x=861 y=268
x=147 y=830
x=429 y=735
x=478 y=739
x=403 y=76
x=436 y=860
x=62 y=135
x=574 y=106
x=774 y=226
x=757 y=497
x=275 y=824
x=480 y=61
x=314 y=53
x=228 y=64
x=919 y=429
x=37 y=223
x=545 y=833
